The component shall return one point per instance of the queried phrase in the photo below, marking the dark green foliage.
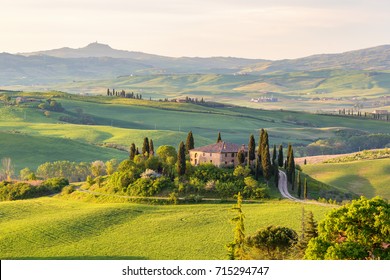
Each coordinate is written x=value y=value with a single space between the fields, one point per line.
x=359 y=230
x=274 y=155
x=265 y=157
x=305 y=189
x=51 y=105
x=181 y=160
x=145 y=147
x=219 y=139
x=257 y=168
x=190 y=144
x=273 y=242
x=251 y=148
x=299 y=185
x=132 y=151
x=151 y=147
x=241 y=157
x=15 y=191
x=291 y=166
x=260 y=147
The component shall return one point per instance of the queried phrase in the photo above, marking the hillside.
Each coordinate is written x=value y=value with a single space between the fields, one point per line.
x=117 y=122
x=364 y=177
x=52 y=228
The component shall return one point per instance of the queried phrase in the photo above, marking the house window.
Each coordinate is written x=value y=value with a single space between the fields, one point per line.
x=232 y=160
x=211 y=161
x=232 y=154
x=196 y=154
x=225 y=162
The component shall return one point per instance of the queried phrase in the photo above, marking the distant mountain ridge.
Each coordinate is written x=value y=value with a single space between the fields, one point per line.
x=100 y=61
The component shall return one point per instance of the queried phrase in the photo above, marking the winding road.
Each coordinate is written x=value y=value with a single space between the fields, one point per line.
x=283 y=187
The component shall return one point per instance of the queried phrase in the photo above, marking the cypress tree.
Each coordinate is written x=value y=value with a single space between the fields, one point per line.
x=137 y=152
x=291 y=167
x=241 y=157
x=219 y=139
x=280 y=156
x=151 y=147
x=265 y=157
x=181 y=159
x=132 y=151
x=145 y=147
x=251 y=149
x=189 y=142
x=257 y=168
x=305 y=189
x=274 y=155
x=276 y=174
x=299 y=184
x=260 y=147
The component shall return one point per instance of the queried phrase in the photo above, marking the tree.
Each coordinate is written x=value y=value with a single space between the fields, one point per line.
x=305 y=189
x=260 y=147
x=236 y=249
x=181 y=159
x=151 y=147
x=241 y=157
x=251 y=149
x=132 y=151
x=166 y=152
x=290 y=166
x=299 y=185
x=27 y=174
x=97 y=168
x=356 y=231
x=145 y=147
x=265 y=157
x=273 y=242
x=7 y=169
x=274 y=155
x=219 y=139
x=189 y=142
x=309 y=230
x=111 y=166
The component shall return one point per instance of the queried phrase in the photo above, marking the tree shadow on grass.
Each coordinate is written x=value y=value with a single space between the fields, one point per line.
x=356 y=184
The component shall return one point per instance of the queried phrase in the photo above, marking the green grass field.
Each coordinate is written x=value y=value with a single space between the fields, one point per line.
x=53 y=228
x=365 y=177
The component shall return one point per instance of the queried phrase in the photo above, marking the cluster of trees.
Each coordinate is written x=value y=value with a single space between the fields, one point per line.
x=21 y=190
x=358 y=113
x=357 y=231
x=148 y=172
x=271 y=242
x=123 y=94
x=348 y=144
x=51 y=105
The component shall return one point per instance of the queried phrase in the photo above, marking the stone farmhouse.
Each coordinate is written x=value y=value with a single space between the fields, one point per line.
x=219 y=154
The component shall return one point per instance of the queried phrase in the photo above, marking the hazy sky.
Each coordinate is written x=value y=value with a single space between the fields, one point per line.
x=270 y=29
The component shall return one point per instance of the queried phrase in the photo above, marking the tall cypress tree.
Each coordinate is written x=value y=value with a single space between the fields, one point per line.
x=145 y=147
x=280 y=156
x=136 y=152
x=181 y=159
x=260 y=147
x=305 y=189
x=190 y=142
x=151 y=147
x=132 y=151
x=299 y=185
x=291 y=166
x=251 y=149
x=219 y=139
x=241 y=157
x=274 y=155
x=257 y=168
x=265 y=158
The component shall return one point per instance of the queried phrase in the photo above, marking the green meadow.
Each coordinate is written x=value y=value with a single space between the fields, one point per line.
x=53 y=228
x=364 y=177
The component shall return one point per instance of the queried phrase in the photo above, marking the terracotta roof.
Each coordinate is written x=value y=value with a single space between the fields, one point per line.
x=221 y=147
